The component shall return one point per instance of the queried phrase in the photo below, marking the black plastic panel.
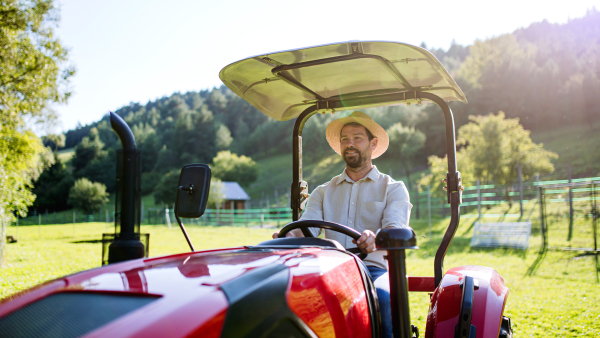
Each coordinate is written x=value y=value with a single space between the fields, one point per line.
x=258 y=306
x=288 y=242
x=71 y=314
x=193 y=203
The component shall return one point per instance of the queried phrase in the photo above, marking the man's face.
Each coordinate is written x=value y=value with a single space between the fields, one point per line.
x=355 y=146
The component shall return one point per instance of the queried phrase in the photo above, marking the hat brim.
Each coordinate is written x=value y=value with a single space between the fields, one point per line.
x=335 y=128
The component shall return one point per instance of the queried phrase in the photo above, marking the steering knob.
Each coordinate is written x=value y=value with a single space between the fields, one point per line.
x=396 y=239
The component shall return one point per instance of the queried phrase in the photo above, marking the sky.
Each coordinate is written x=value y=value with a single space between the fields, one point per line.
x=138 y=51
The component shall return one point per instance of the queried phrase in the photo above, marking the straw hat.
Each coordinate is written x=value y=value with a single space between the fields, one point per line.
x=334 y=129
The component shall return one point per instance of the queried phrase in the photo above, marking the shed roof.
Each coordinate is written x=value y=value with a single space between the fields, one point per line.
x=233 y=191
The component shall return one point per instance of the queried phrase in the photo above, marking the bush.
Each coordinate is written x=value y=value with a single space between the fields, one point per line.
x=88 y=196
x=233 y=168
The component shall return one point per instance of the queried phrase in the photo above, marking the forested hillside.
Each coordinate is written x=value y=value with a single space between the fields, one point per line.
x=547 y=75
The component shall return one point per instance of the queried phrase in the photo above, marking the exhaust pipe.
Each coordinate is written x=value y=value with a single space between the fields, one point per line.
x=127 y=244
x=396 y=241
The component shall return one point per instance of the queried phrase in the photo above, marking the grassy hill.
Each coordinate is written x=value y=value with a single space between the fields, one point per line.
x=576 y=145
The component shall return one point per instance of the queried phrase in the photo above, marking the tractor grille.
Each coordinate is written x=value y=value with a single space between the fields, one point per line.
x=71 y=314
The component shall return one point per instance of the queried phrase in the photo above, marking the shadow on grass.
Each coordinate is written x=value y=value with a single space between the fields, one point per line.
x=595 y=254
x=536 y=264
x=88 y=241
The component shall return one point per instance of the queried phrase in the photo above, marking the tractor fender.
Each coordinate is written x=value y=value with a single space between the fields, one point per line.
x=488 y=302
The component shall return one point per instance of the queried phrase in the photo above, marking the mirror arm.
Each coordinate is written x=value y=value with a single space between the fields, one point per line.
x=190 y=191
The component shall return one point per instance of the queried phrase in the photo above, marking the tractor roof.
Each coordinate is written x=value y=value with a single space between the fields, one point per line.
x=281 y=85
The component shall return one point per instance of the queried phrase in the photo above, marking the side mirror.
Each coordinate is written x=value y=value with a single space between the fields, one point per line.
x=194 y=187
x=192 y=194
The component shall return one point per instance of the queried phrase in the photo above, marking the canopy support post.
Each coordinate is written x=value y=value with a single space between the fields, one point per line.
x=296 y=198
x=454 y=186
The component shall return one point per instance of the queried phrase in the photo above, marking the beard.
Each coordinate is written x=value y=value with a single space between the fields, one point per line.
x=354 y=161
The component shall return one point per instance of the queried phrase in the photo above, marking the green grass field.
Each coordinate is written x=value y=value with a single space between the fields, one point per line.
x=554 y=294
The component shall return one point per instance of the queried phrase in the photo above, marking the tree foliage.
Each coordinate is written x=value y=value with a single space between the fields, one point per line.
x=492 y=149
x=217 y=193
x=406 y=143
x=231 y=167
x=52 y=187
x=32 y=77
x=166 y=189
x=88 y=196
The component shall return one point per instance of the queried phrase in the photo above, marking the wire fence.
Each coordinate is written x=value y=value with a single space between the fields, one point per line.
x=569 y=216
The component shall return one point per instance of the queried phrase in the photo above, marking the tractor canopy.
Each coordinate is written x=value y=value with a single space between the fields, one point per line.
x=340 y=76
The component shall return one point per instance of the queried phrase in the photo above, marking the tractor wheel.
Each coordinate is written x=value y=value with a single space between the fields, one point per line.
x=505 y=328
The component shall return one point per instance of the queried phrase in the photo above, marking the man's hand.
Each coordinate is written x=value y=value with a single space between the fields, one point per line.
x=366 y=242
x=289 y=234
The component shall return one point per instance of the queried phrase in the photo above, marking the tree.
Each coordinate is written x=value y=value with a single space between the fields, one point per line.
x=88 y=151
x=223 y=137
x=494 y=147
x=166 y=190
x=217 y=193
x=52 y=187
x=54 y=141
x=88 y=196
x=231 y=167
x=31 y=80
x=194 y=137
x=405 y=144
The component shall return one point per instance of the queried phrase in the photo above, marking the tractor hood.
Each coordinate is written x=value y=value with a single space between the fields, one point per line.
x=191 y=294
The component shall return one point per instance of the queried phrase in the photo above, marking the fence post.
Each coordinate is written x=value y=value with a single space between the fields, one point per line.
x=570 y=205
x=167 y=218
x=479 y=200
x=429 y=208
x=277 y=206
x=542 y=220
x=218 y=213
x=418 y=198
x=520 y=188
x=40 y=225
x=232 y=212
x=595 y=216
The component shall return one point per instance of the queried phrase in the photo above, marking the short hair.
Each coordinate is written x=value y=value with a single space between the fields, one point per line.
x=356 y=124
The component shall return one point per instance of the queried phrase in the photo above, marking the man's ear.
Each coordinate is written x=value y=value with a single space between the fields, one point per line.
x=373 y=144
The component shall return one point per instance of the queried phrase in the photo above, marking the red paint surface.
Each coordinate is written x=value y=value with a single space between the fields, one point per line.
x=190 y=303
x=327 y=293
x=421 y=284
x=488 y=303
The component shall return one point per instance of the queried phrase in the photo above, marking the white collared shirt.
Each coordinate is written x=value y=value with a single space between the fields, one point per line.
x=374 y=202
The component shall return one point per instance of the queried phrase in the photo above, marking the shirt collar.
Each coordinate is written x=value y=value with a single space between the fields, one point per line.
x=373 y=175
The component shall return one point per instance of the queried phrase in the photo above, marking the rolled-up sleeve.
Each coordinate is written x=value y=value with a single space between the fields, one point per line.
x=397 y=209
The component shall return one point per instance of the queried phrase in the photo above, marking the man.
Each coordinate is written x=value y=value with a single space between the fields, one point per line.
x=361 y=198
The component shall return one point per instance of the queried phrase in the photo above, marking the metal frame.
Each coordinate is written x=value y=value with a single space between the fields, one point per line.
x=453 y=179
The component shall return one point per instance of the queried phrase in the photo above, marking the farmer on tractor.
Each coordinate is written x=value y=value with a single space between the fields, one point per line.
x=361 y=198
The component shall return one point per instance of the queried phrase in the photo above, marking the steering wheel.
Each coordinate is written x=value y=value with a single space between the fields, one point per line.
x=305 y=224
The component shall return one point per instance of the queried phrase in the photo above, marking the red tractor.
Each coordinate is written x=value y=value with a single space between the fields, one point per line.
x=285 y=287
